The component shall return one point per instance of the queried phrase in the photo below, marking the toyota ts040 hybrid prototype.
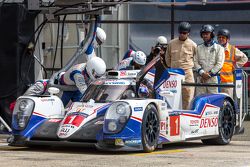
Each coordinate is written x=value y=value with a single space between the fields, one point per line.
x=131 y=110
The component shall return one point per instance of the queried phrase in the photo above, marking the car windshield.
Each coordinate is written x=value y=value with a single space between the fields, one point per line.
x=105 y=93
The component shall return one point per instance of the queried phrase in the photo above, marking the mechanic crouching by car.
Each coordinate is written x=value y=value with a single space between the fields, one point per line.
x=160 y=48
x=234 y=58
x=81 y=75
x=136 y=62
x=180 y=54
x=209 y=60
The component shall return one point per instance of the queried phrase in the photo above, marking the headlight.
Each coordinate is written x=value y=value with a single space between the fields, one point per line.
x=22 y=112
x=116 y=117
x=121 y=109
x=112 y=126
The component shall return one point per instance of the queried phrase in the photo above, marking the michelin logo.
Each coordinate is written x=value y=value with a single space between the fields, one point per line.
x=132 y=142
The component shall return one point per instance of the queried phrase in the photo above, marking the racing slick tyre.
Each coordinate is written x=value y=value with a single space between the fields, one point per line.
x=226 y=124
x=150 y=128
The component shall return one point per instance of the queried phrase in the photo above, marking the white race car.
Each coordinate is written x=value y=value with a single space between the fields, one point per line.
x=130 y=111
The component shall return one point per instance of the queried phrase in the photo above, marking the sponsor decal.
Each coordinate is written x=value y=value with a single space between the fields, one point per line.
x=68 y=126
x=43 y=100
x=87 y=106
x=238 y=75
x=131 y=73
x=122 y=73
x=55 y=120
x=115 y=83
x=209 y=122
x=78 y=113
x=163 y=126
x=65 y=130
x=170 y=84
x=173 y=91
x=80 y=109
x=238 y=86
x=195 y=131
x=211 y=113
x=99 y=123
x=194 y=122
x=132 y=142
x=138 y=108
x=119 y=142
x=98 y=82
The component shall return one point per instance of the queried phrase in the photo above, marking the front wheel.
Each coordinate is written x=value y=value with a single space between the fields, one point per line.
x=150 y=128
x=226 y=125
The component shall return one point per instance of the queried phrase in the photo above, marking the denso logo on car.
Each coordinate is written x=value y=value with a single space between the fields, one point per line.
x=209 y=122
x=170 y=84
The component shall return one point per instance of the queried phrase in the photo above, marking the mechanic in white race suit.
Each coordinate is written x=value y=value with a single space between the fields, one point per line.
x=81 y=75
x=100 y=38
x=208 y=60
x=135 y=62
x=129 y=53
x=40 y=86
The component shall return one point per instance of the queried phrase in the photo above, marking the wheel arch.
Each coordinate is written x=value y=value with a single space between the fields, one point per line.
x=234 y=106
x=157 y=106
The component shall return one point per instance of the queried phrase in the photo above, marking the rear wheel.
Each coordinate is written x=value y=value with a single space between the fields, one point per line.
x=226 y=125
x=150 y=128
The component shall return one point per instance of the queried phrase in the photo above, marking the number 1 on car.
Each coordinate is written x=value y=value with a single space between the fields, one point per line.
x=174 y=125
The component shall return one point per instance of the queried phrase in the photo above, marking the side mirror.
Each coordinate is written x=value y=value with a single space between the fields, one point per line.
x=53 y=90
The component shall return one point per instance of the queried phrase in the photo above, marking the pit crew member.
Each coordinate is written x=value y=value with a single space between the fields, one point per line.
x=209 y=60
x=136 y=62
x=180 y=54
x=234 y=58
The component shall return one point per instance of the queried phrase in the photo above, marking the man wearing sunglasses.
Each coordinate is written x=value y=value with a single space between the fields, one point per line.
x=234 y=58
x=180 y=54
x=209 y=60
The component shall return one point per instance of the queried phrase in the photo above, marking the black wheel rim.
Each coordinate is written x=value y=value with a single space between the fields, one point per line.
x=227 y=122
x=151 y=128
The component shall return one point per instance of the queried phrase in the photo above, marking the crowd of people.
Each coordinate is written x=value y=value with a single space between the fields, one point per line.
x=211 y=60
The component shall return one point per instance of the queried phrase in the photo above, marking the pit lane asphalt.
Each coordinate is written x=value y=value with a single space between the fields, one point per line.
x=194 y=153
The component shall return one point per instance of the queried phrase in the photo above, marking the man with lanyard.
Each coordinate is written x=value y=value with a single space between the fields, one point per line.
x=208 y=60
x=234 y=58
